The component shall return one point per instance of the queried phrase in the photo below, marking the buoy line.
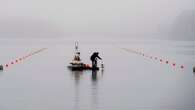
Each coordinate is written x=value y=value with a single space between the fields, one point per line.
x=22 y=58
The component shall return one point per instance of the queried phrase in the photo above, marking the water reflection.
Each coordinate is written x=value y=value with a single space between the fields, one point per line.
x=193 y=74
x=77 y=75
x=93 y=93
x=94 y=75
x=1 y=73
x=94 y=90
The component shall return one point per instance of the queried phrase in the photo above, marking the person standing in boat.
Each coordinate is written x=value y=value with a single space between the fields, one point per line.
x=94 y=58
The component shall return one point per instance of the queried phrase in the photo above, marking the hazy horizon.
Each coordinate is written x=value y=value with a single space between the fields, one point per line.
x=63 y=19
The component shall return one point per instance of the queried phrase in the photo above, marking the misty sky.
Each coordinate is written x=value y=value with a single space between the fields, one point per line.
x=53 y=18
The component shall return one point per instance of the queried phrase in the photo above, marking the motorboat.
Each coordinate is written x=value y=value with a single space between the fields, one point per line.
x=77 y=64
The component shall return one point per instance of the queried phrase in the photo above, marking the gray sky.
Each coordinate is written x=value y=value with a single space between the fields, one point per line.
x=52 y=18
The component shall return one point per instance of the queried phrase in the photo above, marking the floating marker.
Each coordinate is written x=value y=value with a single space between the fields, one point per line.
x=24 y=57
x=154 y=57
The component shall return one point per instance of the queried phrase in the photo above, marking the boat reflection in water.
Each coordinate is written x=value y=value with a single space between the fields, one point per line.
x=83 y=90
x=96 y=74
x=77 y=75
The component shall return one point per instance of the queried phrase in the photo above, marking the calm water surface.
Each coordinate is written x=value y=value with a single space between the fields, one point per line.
x=128 y=81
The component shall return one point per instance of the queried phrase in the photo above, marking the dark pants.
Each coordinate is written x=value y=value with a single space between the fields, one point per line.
x=94 y=64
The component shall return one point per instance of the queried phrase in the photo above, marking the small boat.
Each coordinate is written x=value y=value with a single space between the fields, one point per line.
x=81 y=67
x=77 y=64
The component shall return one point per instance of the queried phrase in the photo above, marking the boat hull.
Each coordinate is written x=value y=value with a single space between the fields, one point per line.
x=80 y=67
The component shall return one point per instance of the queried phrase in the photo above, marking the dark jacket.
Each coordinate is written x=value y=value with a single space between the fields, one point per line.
x=94 y=56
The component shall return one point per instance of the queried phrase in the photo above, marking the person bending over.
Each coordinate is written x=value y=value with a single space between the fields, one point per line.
x=94 y=58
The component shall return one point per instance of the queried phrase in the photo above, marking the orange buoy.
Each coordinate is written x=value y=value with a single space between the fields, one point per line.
x=87 y=65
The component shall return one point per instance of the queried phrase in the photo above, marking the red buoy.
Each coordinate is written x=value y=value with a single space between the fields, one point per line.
x=16 y=61
x=160 y=60
x=6 y=65
x=182 y=66
x=174 y=64
x=12 y=62
x=167 y=62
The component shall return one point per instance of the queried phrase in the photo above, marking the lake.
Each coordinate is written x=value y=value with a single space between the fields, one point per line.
x=128 y=81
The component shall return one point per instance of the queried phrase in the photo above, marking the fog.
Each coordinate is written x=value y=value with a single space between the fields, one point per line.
x=145 y=45
x=63 y=18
